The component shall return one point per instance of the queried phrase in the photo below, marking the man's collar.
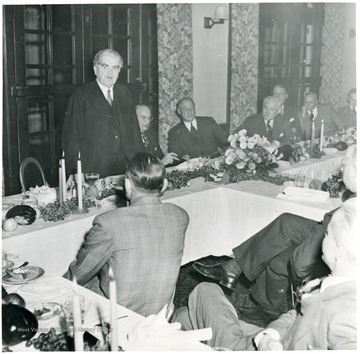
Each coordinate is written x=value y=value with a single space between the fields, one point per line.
x=104 y=88
x=188 y=124
x=146 y=199
x=314 y=111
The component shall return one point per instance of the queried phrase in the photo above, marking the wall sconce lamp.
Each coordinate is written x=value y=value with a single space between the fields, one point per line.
x=220 y=16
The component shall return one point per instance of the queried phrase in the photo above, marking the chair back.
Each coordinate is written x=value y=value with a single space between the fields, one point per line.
x=39 y=172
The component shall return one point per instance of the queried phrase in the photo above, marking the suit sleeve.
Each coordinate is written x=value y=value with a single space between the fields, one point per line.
x=333 y=123
x=342 y=333
x=219 y=133
x=94 y=253
x=72 y=131
x=174 y=143
x=283 y=323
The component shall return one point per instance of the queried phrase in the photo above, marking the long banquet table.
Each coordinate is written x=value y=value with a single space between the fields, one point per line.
x=315 y=168
x=221 y=217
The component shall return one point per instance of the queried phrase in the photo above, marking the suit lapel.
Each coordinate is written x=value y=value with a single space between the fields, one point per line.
x=108 y=110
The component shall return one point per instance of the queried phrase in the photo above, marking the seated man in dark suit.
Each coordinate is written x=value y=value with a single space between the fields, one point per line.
x=286 y=251
x=313 y=111
x=142 y=243
x=326 y=317
x=347 y=114
x=271 y=125
x=195 y=136
x=149 y=137
x=288 y=113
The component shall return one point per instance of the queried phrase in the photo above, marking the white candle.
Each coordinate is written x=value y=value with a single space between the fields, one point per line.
x=60 y=194
x=78 y=333
x=321 y=134
x=63 y=177
x=113 y=311
x=79 y=183
x=312 y=135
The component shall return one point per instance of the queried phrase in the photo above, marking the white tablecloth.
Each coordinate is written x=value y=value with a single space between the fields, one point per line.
x=315 y=168
x=221 y=217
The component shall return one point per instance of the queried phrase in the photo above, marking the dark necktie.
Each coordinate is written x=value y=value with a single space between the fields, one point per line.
x=311 y=116
x=193 y=130
x=269 y=129
x=108 y=97
x=145 y=139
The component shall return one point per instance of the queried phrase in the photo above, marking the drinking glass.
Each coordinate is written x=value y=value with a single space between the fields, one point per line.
x=68 y=307
x=92 y=191
x=299 y=180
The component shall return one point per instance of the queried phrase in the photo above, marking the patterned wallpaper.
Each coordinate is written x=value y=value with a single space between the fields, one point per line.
x=175 y=62
x=244 y=62
x=176 y=69
x=332 y=54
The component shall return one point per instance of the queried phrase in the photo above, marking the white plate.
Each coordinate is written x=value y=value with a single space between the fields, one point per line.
x=27 y=273
x=46 y=311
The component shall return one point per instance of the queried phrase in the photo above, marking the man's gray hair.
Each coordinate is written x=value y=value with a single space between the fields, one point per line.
x=100 y=53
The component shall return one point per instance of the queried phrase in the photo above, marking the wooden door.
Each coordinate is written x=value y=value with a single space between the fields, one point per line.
x=48 y=52
x=290 y=40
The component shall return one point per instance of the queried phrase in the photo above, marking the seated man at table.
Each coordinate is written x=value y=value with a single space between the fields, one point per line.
x=149 y=137
x=288 y=113
x=271 y=125
x=195 y=136
x=287 y=250
x=347 y=114
x=142 y=243
x=313 y=111
x=325 y=318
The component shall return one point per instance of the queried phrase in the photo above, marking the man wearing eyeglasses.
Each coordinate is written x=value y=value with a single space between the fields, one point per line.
x=100 y=121
x=149 y=138
x=195 y=136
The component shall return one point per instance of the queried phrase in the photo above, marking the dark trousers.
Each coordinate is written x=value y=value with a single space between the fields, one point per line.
x=290 y=246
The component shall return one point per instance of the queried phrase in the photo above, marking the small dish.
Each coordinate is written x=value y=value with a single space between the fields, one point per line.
x=46 y=311
x=22 y=275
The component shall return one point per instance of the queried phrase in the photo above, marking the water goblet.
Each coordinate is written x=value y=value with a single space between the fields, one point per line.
x=92 y=191
x=68 y=307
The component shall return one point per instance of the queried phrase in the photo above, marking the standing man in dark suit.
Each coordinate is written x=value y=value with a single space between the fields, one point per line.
x=195 y=136
x=288 y=113
x=142 y=243
x=347 y=114
x=312 y=110
x=100 y=121
x=149 y=137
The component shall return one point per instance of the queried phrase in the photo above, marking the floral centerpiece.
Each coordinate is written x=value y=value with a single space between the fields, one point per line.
x=247 y=158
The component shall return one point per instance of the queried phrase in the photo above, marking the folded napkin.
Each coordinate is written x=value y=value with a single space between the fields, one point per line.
x=44 y=289
x=304 y=194
x=155 y=333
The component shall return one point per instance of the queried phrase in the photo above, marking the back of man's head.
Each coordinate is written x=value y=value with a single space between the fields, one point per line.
x=146 y=173
x=349 y=168
x=343 y=230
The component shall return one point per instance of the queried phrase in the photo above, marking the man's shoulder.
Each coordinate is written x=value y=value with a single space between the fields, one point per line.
x=325 y=107
x=89 y=86
x=120 y=87
x=177 y=129
x=205 y=119
x=344 y=109
x=254 y=118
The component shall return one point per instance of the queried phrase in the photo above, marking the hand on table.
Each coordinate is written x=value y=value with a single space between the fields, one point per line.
x=268 y=343
x=169 y=158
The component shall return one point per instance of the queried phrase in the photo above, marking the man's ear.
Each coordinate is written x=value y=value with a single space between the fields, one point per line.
x=165 y=185
x=95 y=70
x=127 y=184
